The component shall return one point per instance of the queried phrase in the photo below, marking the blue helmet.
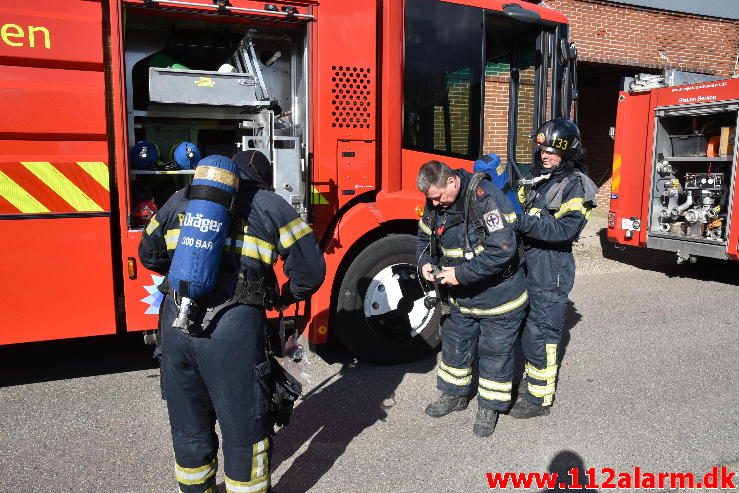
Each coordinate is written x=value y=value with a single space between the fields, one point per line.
x=186 y=155
x=144 y=155
x=498 y=172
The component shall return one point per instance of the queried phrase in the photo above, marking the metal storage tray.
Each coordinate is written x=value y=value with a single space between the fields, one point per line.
x=203 y=87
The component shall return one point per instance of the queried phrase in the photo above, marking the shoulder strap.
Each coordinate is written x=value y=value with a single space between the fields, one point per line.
x=433 y=245
x=469 y=197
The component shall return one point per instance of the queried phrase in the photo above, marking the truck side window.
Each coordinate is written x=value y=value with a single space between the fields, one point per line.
x=443 y=73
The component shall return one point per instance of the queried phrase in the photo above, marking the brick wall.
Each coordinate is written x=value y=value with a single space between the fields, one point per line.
x=607 y=32
x=613 y=41
x=496 y=114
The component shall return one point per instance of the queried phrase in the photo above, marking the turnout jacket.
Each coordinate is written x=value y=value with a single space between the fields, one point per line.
x=555 y=212
x=264 y=227
x=492 y=281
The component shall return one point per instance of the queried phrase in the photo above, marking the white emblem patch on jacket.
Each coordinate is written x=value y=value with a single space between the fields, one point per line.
x=493 y=220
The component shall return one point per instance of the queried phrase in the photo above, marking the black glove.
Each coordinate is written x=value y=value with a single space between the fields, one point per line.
x=518 y=225
x=286 y=296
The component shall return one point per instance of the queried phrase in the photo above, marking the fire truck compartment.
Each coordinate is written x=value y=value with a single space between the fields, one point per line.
x=693 y=177
x=225 y=86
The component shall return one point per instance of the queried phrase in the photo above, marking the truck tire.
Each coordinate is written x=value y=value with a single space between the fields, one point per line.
x=380 y=312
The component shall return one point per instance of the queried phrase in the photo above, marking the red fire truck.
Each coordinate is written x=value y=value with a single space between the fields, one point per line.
x=347 y=99
x=674 y=167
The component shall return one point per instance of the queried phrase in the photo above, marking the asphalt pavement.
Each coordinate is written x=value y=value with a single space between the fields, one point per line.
x=649 y=378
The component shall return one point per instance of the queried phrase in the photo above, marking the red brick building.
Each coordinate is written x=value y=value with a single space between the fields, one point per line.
x=618 y=39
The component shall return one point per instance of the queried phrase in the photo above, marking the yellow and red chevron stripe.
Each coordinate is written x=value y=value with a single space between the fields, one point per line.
x=30 y=187
x=616 y=174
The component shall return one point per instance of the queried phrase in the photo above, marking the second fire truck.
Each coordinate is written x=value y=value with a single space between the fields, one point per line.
x=674 y=182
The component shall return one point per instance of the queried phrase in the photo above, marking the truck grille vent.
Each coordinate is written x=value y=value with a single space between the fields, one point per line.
x=351 y=97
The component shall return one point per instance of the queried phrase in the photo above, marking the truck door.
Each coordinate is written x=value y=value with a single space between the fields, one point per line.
x=55 y=215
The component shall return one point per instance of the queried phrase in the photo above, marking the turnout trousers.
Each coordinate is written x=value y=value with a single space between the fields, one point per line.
x=491 y=339
x=540 y=341
x=217 y=376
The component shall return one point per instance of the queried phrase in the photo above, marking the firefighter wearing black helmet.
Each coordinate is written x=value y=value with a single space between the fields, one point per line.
x=556 y=200
x=217 y=369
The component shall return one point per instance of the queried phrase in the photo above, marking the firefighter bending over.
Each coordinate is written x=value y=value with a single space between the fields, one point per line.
x=467 y=231
x=214 y=365
x=557 y=201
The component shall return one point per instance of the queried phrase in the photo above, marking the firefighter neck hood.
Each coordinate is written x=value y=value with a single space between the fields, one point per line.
x=254 y=166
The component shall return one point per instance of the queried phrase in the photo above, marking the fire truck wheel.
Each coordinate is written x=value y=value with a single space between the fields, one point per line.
x=381 y=315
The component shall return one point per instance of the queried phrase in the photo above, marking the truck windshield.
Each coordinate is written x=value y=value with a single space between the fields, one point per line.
x=482 y=83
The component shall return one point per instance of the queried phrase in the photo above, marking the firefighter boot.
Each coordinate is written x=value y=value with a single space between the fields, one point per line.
x=446 y=404
x=525 y=409
x=485 y=422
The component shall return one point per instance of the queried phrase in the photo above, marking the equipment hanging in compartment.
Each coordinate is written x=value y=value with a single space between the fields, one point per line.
x=702 y=213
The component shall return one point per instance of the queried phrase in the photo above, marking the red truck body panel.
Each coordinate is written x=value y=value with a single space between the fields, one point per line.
x=69 y=260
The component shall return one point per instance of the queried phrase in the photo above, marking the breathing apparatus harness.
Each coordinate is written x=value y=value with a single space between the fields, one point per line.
x=471 y=215
x=251 y=289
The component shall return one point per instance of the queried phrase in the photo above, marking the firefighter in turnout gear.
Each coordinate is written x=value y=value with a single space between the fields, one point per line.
x=467 y=232
x=217 y=367
x=557 y=200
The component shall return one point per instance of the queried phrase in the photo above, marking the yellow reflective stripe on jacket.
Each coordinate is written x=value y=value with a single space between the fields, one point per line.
x=498 y=310
x=152 y=226
x=573 y=205
x=293 y=231
x=253 y=247
x=195 y=475
x=171 y=237
x=459 y=252
x=534 y=211
x=424 y=227
x=494 y=396
x=510 y=218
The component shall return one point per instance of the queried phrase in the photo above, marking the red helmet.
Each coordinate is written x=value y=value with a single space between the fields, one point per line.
x=143 y=212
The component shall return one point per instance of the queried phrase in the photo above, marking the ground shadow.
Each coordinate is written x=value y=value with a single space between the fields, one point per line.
x=705 y=269
x=571 y=473
x=59 y=360
x=332 y=415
